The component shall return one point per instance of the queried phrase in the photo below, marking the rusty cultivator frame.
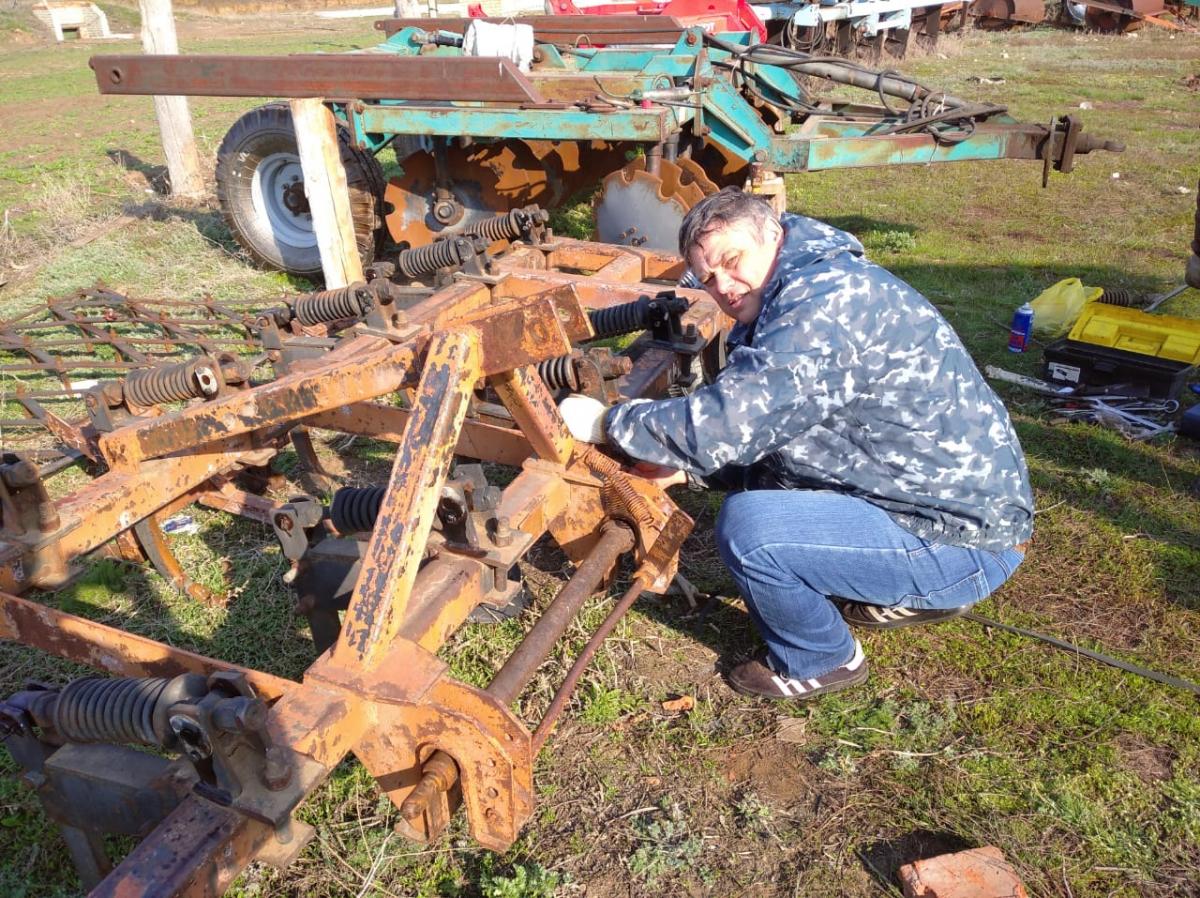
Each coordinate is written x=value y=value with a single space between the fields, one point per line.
x=457 y=370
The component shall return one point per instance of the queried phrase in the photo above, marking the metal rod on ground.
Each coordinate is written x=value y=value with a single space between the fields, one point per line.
x=581 y=663
x=1159 y=300
x=518 y=670
x=439 y=773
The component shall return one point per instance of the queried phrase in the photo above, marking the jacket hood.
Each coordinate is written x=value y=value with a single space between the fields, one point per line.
x=807 y=241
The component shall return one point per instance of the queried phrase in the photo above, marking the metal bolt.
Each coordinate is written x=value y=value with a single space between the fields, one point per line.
x=277 y=771
x=504 y=533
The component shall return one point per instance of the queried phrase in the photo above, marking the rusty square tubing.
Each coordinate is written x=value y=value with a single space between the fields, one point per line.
x=528 y=400
x=452 y=365
x=363 y=368
x=197 y=851
x=117 y=500
x=485 y=442
x=108 y=649
x=339 y=76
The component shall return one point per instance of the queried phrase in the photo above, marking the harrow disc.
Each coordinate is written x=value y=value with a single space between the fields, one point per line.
x=483 y=180
x=637 y=208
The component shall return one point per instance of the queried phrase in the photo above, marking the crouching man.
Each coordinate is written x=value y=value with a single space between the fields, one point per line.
x=875 y=479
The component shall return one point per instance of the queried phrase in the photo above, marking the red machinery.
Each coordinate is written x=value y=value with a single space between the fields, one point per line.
x=712 y=15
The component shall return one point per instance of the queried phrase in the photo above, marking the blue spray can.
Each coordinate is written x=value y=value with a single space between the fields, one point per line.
x=1022 y=324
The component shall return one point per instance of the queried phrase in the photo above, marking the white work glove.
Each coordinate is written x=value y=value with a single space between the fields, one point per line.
x=584 y=417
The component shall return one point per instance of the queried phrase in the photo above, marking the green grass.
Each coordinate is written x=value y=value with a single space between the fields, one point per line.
x=1085 y=777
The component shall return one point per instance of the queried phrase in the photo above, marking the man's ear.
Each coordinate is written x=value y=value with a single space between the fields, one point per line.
x=775 y=231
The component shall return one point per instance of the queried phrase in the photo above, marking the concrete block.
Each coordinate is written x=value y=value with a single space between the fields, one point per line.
x=975 y=873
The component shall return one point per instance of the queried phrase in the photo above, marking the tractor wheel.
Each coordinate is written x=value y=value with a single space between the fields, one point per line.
x=260 y=186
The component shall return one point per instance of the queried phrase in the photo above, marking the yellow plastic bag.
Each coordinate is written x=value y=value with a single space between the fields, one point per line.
x=1055 y=310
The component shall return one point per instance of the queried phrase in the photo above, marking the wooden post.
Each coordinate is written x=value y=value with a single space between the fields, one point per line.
x=411 y=9
x=174 y=120
x=328 y=195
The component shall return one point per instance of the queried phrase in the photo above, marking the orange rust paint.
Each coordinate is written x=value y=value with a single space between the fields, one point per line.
x=106 y=648
x=397 y=545
x=532 y=407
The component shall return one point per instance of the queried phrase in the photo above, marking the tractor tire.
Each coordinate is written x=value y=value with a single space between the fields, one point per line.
x=260 y=187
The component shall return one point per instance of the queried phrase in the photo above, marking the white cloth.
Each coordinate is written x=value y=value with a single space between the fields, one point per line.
x=584 y=417
x=513 y=42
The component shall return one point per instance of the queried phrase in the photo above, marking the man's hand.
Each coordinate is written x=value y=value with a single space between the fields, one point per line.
x=584 y=417
x=660 y=475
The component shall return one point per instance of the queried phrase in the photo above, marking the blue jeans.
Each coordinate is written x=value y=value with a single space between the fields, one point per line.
x=788 y=550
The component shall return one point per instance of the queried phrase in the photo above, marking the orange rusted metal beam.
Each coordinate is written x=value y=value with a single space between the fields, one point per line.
x=532 y=407
x=363 y=368
x=106 y=648
x=452 y=365
x=486 y=442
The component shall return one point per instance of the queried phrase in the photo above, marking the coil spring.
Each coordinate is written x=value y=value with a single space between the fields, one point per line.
x=428 y=259
x=355 y=508
x=559 y=373
x=324 y=306
x=623 y=319
x=617 y=495
x=1120 y=298
x=599 y=463
x=169 y=383
x=99 y=709
x=511 y=225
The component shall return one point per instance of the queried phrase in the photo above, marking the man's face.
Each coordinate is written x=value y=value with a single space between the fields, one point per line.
x=733 y=263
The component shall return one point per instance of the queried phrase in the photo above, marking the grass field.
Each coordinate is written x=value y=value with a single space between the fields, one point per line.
x=1086 y=777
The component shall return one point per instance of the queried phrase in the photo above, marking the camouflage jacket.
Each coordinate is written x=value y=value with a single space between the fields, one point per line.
x=849 y=380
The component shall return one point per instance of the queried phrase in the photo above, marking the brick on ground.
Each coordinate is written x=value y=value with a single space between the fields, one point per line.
x=975 y=873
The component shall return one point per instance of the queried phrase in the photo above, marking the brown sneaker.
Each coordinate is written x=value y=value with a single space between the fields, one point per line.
x=758 y=678
x=879 y=617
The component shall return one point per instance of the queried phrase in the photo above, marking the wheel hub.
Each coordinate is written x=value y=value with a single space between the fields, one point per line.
x=278 y=196
x=295 y=200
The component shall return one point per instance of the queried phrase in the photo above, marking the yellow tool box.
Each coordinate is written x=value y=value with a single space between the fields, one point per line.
x=1163 y=336
x=1153 y=354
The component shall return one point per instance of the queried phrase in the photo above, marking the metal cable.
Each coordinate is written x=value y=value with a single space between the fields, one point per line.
x=1165 y=679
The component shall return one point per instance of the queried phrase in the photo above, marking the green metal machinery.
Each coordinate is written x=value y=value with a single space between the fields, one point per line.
x=655 y=113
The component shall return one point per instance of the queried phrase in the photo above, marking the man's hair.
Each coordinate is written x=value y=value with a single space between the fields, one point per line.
x=719 y=210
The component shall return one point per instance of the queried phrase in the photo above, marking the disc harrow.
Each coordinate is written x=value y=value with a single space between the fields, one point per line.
x=662 y=115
